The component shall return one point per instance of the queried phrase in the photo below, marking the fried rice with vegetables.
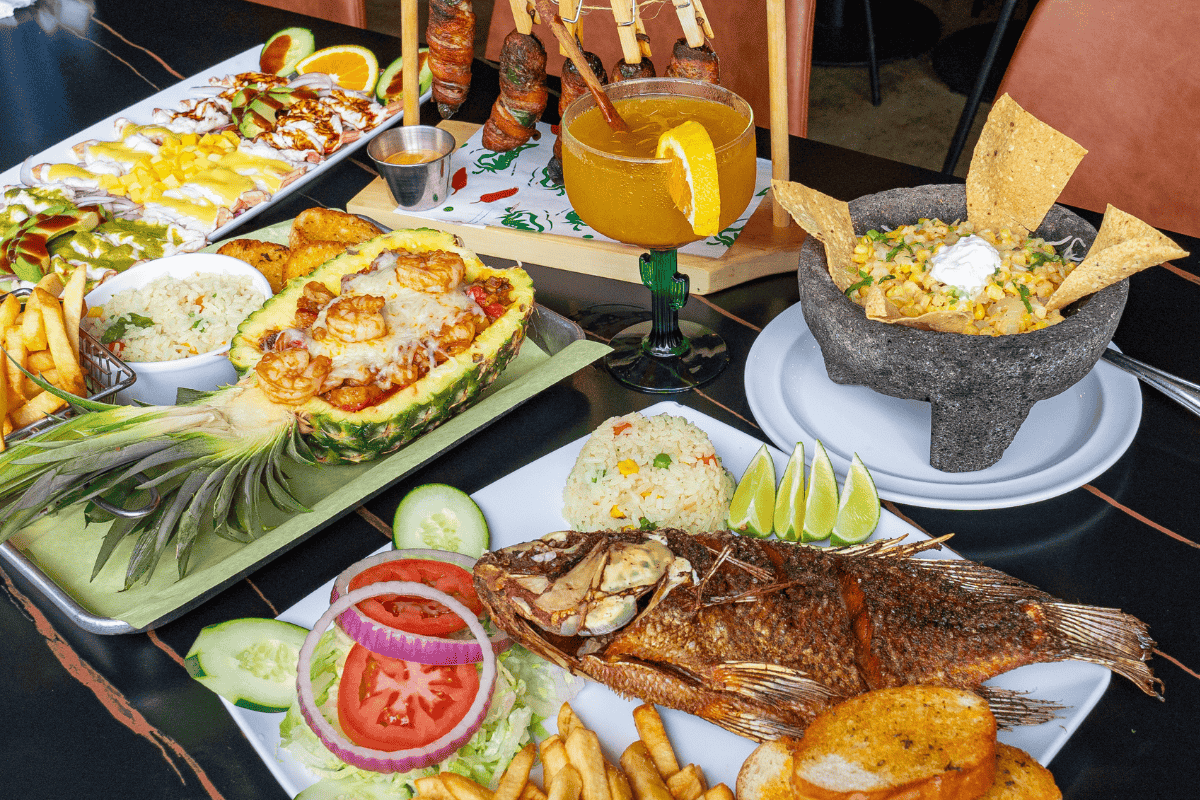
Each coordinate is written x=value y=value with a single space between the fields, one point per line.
x=648 y=472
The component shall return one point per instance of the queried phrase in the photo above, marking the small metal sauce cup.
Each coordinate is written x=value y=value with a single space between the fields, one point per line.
x=414 y=187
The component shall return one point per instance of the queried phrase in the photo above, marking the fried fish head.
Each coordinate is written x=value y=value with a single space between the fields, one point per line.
x=266 y=257
x=330 y=225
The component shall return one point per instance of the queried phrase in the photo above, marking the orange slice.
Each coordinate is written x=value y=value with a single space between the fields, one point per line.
x=692 y=179
x=350 y=66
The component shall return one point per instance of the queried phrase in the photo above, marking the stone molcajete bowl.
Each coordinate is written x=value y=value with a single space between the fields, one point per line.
x=980 y=387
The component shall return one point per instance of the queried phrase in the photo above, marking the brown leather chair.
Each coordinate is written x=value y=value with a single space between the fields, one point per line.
x=1120 y=77
x=347 y=12
x=740 y=39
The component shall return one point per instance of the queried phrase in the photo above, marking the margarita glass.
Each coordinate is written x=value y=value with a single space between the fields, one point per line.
x=619 y=188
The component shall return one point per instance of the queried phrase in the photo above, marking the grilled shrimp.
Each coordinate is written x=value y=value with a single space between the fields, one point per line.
x=315 y=297
x=453 y=339
x=436 y=272
x=290 y=377
x=356 y=318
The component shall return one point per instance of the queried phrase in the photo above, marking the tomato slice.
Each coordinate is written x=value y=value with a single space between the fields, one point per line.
x=389 y=704
x=416 y=614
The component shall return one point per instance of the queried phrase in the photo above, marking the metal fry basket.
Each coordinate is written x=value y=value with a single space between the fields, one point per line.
x=104 y=373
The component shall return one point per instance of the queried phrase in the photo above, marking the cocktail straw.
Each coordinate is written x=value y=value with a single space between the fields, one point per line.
x=550 y=17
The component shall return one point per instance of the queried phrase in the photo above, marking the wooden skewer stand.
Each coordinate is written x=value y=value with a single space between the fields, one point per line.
x=768 y=244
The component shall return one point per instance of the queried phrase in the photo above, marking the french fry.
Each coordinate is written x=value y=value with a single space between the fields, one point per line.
x=554 y=756
x=568 y=720
x=464 y=788
x=33 y=327
x=618 y=783
x=14 y=343
x=644 y=779
x=51 y=284
x=66 y=360
x=565 y=785
x=687 y=783
x=651 y=731
x=514 y=777
x=532 y=791
x=72 y=305
x=583 y=748
x=39 y=361
x=41 y=406
x=432 y=787
x=719 y=792
x=9 y=309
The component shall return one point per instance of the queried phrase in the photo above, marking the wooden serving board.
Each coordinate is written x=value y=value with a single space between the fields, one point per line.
x=760 y=250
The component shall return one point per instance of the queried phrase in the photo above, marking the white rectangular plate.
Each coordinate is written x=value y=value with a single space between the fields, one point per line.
x=170 y=97
x=527 y=504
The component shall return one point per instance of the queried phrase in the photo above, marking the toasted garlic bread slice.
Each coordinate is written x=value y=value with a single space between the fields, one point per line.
x=911 y=742
x=266 y=257
x=767 y=772
x=330 y=225
x=1020 y=777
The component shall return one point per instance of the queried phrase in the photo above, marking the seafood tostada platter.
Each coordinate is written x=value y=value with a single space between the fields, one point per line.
x=141 y=113
x=56 y=552
x=527 y=503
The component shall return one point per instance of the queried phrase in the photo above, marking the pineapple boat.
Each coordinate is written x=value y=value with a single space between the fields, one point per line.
x=346 y=364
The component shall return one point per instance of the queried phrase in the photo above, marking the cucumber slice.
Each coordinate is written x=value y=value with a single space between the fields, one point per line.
x=440 y=517
x=337 y=789
x=391 y=86
x=285 y=49
x=250 y=662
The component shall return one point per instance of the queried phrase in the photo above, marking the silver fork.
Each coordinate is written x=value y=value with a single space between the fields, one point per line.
x=1186 y=393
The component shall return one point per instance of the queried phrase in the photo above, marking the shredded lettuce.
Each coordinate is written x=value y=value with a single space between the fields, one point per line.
x=529 y=690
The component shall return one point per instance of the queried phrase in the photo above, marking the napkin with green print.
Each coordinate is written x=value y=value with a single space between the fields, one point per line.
x=512 y=190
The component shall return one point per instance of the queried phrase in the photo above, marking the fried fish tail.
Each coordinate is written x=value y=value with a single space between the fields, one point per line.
x=523 y=93
x=694 y=63
x=451 y=38
x=1108 y=637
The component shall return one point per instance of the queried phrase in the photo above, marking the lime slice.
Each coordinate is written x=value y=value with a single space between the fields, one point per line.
x=789 y=498
x=440 y=517
x=754 y=498
x=858 y=512
x=821 y=505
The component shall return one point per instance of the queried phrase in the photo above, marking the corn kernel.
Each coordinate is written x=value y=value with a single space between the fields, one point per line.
x=616 y=513
x=627 y=467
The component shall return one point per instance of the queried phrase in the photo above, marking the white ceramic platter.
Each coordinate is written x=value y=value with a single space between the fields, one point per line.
x=527 y=503
x=1065 y=441
x=169 y=98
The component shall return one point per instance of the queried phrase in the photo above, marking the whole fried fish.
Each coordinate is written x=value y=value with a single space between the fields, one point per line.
x=760 y=636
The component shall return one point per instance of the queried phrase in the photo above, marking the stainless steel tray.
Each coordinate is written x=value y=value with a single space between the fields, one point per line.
x=550 y=331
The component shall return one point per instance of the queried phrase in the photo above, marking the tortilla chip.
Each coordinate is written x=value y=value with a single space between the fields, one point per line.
x=828 y=220
x=1019 y=168
x=1123 y=246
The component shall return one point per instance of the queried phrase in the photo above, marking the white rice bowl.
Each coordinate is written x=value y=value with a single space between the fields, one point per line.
x=648 y=472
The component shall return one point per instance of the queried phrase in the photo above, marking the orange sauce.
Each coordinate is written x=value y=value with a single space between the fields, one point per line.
x=413 y=157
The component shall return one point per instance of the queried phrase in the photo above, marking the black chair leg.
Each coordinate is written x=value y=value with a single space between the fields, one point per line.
x=872 y=64
x=967 y=119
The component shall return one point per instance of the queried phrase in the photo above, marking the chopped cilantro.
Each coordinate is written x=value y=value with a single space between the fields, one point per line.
x=122 y=325
x=892 y=253
x=1024 y=292
x=876 y=236
x=1037 y=258
x=867 y=280
x=646 y=525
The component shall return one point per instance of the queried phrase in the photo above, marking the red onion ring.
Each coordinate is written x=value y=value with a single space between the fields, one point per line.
x=398 y=760
x=395 y=643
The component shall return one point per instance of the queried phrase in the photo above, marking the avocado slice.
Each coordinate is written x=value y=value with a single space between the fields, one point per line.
x=285 y=49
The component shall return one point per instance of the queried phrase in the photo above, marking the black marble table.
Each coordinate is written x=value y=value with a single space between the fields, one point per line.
x=88 y=716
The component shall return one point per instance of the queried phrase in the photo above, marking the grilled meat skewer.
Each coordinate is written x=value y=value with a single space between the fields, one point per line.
x=523 y=93
x=451 y=38
x=696 y=63
x=573 y=86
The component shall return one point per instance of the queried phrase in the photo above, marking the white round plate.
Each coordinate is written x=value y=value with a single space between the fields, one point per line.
x=1065 y=441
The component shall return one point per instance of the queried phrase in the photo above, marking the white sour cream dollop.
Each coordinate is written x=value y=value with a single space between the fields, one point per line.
x=966 y=265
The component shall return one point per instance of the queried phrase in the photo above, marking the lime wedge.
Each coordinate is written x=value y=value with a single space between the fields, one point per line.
x=858 y=512
x=754 y=498
x=789 y=498
x=821 y=505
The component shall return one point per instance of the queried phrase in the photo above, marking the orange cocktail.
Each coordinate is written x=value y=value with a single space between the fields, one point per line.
x=618 y=187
